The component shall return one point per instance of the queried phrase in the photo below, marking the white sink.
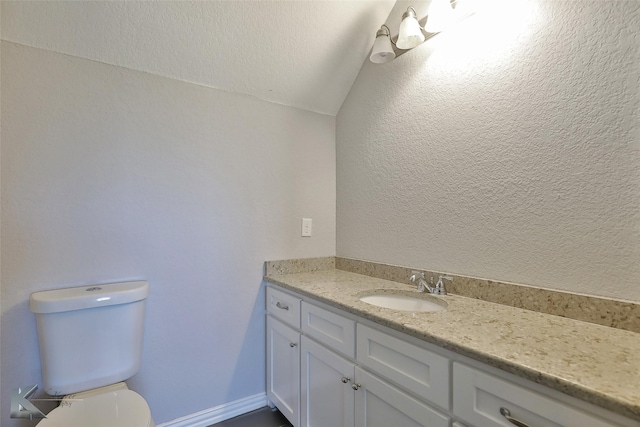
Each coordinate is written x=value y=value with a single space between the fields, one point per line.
x=405 y=302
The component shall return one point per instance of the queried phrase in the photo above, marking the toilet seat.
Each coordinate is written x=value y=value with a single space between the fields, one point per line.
x=120 y=408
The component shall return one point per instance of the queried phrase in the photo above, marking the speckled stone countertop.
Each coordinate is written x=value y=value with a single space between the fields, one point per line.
x=595 y=363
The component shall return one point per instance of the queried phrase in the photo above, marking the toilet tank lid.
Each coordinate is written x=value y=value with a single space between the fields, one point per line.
x=78 y=298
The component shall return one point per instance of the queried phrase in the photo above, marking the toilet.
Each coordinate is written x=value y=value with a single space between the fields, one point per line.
x=90 y=342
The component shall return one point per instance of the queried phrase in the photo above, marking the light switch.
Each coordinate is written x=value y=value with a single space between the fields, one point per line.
x=306 y=227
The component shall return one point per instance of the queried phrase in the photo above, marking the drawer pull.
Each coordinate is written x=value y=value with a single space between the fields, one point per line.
x=293 y=344
x=507 y=414
x=345 y=379
x=282 y=306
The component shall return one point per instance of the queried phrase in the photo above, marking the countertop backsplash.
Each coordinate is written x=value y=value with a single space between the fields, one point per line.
x=587 y=308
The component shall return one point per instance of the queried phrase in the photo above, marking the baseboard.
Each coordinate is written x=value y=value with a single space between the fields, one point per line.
x=220 y=413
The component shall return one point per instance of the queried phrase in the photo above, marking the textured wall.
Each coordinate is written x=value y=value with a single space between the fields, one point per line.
x=110 y=174
x=300 y=53
x=507 y=148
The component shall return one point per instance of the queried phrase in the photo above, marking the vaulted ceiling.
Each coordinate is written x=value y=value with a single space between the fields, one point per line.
x=305 y=54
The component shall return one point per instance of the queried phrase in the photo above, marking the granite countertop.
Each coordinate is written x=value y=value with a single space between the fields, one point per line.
x=595 y=363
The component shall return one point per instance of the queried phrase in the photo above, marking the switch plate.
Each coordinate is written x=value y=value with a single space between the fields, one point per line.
x=306 y=227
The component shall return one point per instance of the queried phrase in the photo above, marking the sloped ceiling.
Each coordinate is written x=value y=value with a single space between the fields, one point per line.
x=305 y=54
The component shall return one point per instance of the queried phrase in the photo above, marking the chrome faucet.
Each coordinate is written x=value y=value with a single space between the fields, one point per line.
x=440 y=289
x=423 y=286
x=418 y=276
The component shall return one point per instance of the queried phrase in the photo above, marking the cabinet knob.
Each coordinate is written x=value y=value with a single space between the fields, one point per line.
x=505 y=413
x=293 y=344
x=355 y=386
x=345 y=380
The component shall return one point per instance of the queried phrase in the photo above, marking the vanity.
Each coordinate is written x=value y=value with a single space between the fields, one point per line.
x=334 y=360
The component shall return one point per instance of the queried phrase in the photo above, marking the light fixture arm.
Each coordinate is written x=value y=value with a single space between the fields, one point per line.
x=410 y=12
x=385 y=31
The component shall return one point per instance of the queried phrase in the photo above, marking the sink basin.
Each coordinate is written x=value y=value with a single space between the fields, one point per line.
x=402 y=302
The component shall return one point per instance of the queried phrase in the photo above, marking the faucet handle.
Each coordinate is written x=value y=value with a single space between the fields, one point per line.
x=415 y=275
x=440 y=288
x=418 y=276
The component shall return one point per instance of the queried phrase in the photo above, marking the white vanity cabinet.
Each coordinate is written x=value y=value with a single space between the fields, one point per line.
x=337 y=392
x=283 y=353
x=332 y=389
x=328 y=368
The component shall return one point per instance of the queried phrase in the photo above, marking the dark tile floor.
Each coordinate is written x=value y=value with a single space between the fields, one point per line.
x=265 y=417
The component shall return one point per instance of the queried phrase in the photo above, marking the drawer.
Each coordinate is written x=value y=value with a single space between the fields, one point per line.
x=478 y=397
x=283 y=306
x=332 y=330
x=418 y=370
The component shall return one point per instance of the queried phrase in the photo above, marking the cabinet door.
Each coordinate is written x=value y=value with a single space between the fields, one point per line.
x=283 y=369
x=327 y=396
x=379 y=404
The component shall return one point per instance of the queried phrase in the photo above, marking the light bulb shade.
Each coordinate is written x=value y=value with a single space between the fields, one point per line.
x=440 y=16
x=382 y=50
x=410 y=34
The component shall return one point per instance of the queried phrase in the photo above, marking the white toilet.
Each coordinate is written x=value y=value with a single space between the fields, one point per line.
x=90 y=342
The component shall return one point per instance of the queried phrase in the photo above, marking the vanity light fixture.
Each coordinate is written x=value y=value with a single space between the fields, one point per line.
x=382 y=50
x=411 y=34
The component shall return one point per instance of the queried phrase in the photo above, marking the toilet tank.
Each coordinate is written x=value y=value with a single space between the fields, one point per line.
x=89 y=336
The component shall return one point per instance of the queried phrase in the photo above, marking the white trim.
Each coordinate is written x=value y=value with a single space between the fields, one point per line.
x=220 y=413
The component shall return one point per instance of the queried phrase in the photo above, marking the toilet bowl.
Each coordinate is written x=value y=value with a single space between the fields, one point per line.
x=111 y=406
